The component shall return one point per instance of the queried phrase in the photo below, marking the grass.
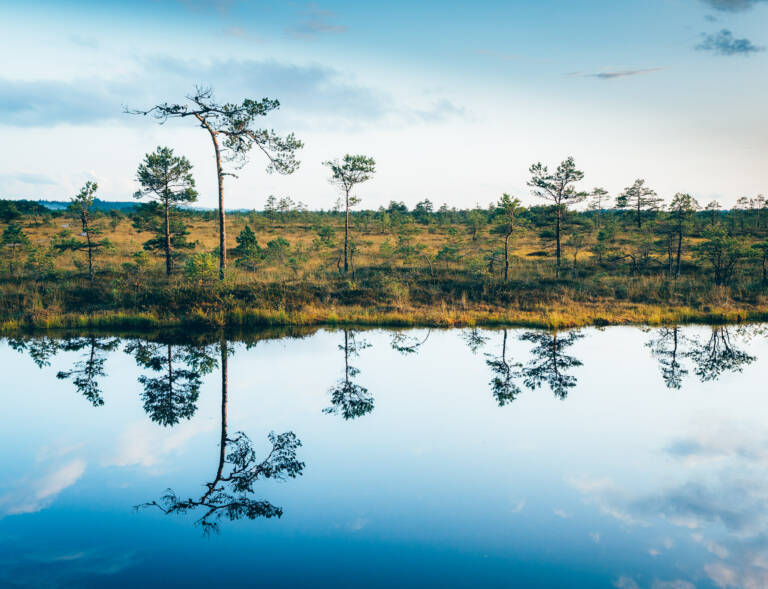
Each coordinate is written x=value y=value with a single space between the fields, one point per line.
x=550 y=318
x=387 y=288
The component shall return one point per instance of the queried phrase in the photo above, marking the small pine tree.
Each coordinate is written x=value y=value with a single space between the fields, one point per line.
x=80 y=208
x=248 y=253
x=13 y=240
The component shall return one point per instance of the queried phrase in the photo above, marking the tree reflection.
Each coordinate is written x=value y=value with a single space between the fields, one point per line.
x=84 y=373
x=349 y=399
x=41 y=350
x=474 y=339
x=503 y=385
x=229 y=495
x=407 y=344
x=665 y=348
x=172 y=396
x=549 y=363
x=718 y=354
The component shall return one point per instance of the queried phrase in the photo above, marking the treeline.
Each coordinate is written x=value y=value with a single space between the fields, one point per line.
x=655 y=239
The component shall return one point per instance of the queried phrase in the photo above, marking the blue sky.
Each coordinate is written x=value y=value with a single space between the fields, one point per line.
x=455 y=100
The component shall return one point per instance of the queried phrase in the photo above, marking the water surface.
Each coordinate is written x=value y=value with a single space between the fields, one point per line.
x=624 y=457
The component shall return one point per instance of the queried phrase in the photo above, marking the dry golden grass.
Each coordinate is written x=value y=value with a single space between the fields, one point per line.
x=540 y=302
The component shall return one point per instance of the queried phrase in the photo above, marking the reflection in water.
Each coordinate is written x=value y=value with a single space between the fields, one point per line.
x=691 y=506
x=474 y=339
x=85 y=372
x=41 y=350
x=228 y=495
x=717 y=355
x=172 y=396
x=712 y=356
x=549 y=363
x=407 y=344
x=665 y=348
x=503 y=386
x=348 y=398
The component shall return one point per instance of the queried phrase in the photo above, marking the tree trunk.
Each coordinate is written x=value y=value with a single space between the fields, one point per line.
x=506 y=257
x=557 y=239
x=167 y=237
x=222 y=224
x=87 y=232
x=223 y=440
x=346 y=233
x=169 y=397
x=639 y=221
x=679 y=250
x=346 y=356
x=224 y=369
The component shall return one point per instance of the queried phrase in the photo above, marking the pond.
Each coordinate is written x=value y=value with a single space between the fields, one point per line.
x=625 y=457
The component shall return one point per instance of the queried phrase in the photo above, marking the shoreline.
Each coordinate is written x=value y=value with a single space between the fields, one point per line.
x=573 y=315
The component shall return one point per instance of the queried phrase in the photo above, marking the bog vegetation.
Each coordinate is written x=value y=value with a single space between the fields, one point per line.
x=580 y=256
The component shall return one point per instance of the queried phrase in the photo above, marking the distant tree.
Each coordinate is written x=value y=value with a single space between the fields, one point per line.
x=166 y=178
x=346 y=174
x=277 y=249
x=476 y=219
x=722 y=252
x=508 y=216
x=598 y=198
x=9 y=211
x=407 y=248
x=285 y=205
x=758 y=205
x=326 y=237
x=576 y=243
x=233 y=131
x=13 y=241
x=558 y=188
x=742 y=205
x=423 y=210
x=639 y=198
x=682 y=209
x=114 y=219
x=80 y=207
x=270 y=207
x=713 y=210
x=606 y=237
x=761 y=250
x=41 y=262
x=395 y=207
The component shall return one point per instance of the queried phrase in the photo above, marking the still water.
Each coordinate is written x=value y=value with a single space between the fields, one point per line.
x=624 y=457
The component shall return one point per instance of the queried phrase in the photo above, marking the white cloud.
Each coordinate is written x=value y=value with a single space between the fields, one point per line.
x=145 y=444
x=38 y=494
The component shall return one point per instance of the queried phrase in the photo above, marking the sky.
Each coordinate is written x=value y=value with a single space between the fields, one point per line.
x=454 y=100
